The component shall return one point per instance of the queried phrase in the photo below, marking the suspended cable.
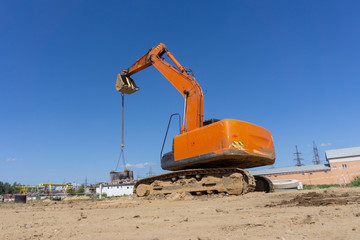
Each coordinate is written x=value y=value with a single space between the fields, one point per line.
x=122 y=155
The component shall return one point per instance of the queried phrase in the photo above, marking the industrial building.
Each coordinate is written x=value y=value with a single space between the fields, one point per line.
x=342 y=166
x=119 y=189
x=120 y=184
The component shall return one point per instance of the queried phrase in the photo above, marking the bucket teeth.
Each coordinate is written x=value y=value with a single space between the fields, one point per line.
x=125 y=84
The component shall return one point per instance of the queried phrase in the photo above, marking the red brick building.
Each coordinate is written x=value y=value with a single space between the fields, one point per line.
x=341 y=168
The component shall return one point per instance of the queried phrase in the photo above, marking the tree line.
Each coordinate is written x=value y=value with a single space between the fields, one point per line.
x=7 y=188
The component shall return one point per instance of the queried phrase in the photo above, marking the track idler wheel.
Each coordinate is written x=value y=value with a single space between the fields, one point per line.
x=263 y=184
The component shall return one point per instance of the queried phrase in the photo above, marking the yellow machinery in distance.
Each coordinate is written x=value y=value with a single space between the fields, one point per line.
x=47 y=186
x=43 y=186
x=23 y=189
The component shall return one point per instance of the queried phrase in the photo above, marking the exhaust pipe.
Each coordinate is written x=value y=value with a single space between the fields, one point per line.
x=126 y=84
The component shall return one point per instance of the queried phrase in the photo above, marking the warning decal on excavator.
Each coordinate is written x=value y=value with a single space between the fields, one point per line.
x=237 y=144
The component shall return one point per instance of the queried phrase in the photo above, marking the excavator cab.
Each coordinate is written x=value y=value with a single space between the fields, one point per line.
x=126 y=84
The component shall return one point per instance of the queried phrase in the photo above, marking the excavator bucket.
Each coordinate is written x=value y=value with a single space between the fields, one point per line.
x=126 y=84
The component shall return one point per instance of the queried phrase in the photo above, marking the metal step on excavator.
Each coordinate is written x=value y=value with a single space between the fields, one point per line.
x=208 y=157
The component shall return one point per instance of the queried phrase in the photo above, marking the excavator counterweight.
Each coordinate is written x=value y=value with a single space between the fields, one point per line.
x=207 y=157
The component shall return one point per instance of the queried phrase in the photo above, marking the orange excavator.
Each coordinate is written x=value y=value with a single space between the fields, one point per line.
x=207 y=157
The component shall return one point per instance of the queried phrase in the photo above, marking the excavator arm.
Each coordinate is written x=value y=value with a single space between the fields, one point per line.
x=178 y=77
x=145 y=61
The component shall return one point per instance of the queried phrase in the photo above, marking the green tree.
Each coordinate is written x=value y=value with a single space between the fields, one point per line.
x=14 y=189
x=355 y=182
x=81 y=189
x=70 y=191
x=7 y=188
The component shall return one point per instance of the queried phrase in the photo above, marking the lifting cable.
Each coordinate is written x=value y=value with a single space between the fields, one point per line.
x=122 y=135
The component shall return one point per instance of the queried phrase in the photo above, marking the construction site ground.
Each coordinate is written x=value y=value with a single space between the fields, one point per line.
x=332 y=213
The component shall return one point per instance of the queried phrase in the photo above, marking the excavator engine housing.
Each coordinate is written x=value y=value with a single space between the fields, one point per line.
x=225 y=143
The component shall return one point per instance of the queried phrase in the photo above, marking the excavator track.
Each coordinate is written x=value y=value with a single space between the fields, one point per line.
x=233 y=181
x=263 y=184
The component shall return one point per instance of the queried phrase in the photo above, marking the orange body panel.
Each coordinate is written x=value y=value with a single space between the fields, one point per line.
x=242 y=139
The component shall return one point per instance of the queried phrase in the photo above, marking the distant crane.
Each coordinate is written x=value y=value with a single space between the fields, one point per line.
x=298 y=159
x=23 y=189
x=48 y=186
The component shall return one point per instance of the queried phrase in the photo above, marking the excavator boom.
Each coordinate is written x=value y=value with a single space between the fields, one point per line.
x=178 y=77
x=145 y=61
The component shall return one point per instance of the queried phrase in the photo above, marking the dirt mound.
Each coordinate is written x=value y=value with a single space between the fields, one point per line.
x=77 y=198
x=319 y=199
x=172 y=196
x=180 y=196
x=185 y=196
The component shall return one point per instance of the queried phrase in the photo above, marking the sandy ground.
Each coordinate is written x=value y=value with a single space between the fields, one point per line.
x=312 y=214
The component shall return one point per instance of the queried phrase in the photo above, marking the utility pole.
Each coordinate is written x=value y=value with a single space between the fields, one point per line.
x=298 y=159
x=316 y=159
x=150 y=173
x=138 y=175
x=86 y=182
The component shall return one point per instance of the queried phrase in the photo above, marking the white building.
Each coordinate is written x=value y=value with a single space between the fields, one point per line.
x=115 y=189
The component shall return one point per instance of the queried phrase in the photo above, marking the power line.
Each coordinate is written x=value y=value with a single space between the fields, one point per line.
x=298 y=159
x=316 y=159
x=122 y=155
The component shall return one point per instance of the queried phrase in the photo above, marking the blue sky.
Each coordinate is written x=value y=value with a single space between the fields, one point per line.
x=289 y=66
